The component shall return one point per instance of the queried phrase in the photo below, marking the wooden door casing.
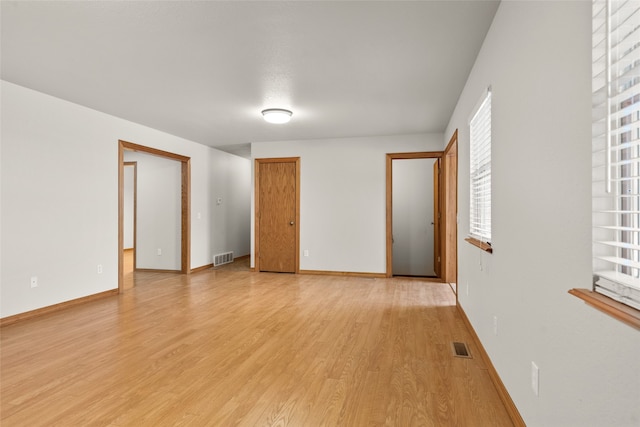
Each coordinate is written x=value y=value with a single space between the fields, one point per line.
x=450 y=212
x=389 y=208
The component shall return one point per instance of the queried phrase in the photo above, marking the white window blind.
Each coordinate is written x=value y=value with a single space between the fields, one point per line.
x=480 y=171
x=616 y=149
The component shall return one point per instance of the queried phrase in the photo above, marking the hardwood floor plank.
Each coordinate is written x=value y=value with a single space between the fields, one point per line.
x=228 y=347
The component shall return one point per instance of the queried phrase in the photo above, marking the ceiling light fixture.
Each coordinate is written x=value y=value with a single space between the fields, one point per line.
x=277 y=115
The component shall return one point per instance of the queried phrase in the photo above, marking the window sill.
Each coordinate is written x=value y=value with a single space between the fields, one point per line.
x=482 y=245
x=613 y=308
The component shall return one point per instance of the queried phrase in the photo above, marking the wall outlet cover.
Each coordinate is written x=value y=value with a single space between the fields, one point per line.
x=535 y=378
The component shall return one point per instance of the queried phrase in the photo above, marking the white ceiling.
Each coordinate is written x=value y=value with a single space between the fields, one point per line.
x=204 y=70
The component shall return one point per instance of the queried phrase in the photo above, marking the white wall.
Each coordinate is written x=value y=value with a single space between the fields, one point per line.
x=537 y=59
x=413 y=228
x=159 y=214
x=342 y=197
x=60 y=197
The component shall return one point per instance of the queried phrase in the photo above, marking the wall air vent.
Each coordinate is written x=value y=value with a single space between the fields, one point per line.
x=221 y=259
x=460 y=350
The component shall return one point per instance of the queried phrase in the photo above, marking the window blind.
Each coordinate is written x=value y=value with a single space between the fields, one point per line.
x=616 y=149
x=480 y=171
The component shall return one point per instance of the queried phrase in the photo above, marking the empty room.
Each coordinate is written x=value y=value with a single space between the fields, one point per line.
x=320 y=213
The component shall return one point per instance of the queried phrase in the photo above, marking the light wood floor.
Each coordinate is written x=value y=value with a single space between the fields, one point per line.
x=229 y=347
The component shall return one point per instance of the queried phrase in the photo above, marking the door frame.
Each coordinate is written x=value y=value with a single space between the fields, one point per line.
x=450 y=211
x=389 y=184
x=185 y=210
x=256 y=195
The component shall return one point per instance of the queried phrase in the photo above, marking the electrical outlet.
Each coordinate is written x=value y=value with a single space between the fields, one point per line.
x=34 y=281
x=159 y=251
x=535 y=378
x=99 y=268
x=495 y=325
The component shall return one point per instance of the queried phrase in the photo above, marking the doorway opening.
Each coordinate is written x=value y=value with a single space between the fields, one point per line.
x=415 y=213
x=129 y=216
x=185 y=217
x=414 y=202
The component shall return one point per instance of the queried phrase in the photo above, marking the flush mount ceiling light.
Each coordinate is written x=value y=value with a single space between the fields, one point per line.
x=276 y=115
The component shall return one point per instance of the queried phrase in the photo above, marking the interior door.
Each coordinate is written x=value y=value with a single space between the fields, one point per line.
x=277 y=215
x=413 y=217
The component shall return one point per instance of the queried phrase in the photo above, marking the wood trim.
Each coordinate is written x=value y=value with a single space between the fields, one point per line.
x=344 y=274
x=278 y=160
x=450 y=211
x=297 y=215
x=510 y=407
x=185 y=209
x=153 y=151
x=56 y=307
x=421 y=279
x=201 y=268
x=155 y=270
x=185 y=245
x=256 y=203
x=417 y=155
x=241 y=258
x=389 y=208
x=256 y=215
x=389 y=197
x=121 y=282
x=613 y=308
x=452 y=145
x=482 y=245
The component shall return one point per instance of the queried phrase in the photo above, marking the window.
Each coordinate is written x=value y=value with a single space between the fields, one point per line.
x=480 y=175
x=616 y=150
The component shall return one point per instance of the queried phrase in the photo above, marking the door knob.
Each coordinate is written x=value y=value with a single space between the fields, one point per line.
x=291 y=223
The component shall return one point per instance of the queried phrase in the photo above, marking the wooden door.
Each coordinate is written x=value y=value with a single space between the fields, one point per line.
x=277 y=215
x=436 y=218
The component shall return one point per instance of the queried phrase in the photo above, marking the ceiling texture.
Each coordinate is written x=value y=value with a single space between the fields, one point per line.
x=204 y=70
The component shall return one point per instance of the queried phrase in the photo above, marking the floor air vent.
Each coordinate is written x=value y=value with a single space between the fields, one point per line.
x=221 y=259
x=460 y=350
